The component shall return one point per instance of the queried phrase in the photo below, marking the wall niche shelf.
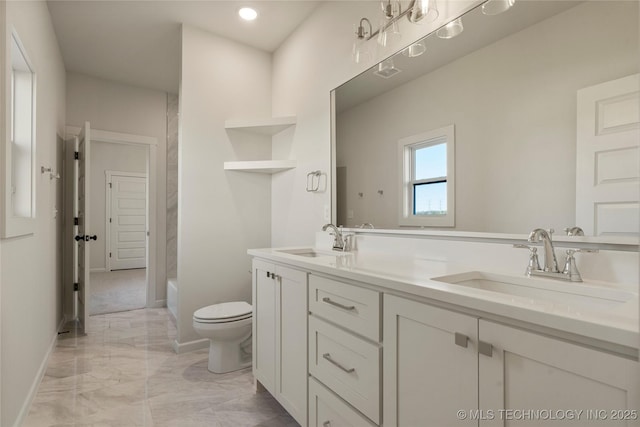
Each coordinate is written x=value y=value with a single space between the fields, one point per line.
x=266 y=127
x=260 y=166
x=270 y=126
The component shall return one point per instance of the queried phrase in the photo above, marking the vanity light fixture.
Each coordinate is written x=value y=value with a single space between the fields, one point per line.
x=496 y=7
x=423 y=11
x=389 y=29
x=360 y=52
x=247 y=13
x=450 y=30
x=419 y=11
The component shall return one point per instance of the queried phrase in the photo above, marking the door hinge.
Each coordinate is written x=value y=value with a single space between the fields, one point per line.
x=76 y=155
x=110 y=185
x=76 y=287
x=76 y=221
x=109 y=254
x=109 y=220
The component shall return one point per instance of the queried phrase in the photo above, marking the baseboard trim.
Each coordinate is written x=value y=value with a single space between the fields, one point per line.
x=98 y=270
x=186 y=347
x=33 y=390
x=161 y=303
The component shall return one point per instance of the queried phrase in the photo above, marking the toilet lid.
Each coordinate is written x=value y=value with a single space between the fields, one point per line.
x=224 y=311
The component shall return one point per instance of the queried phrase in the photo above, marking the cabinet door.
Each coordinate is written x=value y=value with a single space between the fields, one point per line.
x=527 y=371
x=291 y=355
x=428 y=374
x=264 y=324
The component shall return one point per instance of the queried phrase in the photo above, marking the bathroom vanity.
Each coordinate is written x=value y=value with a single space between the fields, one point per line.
x=379 y=338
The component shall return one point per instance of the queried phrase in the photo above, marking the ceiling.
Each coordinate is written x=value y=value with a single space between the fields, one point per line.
x=138 y=42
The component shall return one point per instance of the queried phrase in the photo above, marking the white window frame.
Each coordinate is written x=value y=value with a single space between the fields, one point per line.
x=406 y=148
x=14 y=223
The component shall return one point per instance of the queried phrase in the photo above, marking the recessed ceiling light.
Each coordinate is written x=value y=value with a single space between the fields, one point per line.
x=248 y=14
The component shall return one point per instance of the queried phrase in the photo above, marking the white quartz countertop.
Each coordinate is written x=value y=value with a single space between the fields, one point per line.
x=616 y=324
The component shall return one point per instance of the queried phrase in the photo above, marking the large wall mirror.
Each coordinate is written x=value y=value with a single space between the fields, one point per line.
x=543 y=102
x=19 y=192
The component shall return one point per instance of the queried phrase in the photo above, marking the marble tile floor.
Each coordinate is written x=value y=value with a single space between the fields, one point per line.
x=124 y=373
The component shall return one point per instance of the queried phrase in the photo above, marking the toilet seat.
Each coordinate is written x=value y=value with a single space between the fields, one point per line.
x=223 y=313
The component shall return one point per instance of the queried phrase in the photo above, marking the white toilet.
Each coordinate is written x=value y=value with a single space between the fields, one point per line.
x=228 y=328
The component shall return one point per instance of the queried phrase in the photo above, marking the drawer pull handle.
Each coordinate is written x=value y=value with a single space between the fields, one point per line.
x=327 y=356
x=326 y=424
x=461 y=339
x=485 y=348
x=337 y=304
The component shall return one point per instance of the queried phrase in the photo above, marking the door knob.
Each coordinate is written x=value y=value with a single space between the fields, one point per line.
x=80 y=237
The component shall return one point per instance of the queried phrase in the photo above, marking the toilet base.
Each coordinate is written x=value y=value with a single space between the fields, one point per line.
x=226 y=356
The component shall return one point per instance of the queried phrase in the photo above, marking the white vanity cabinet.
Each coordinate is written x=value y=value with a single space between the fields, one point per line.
x=430 y=364
x=345 y=354
x=280 y=334
x=527 y=370
x=429 y=374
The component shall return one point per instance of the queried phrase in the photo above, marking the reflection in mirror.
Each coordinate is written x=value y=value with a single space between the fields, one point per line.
x=514 y=86
x=20 y=148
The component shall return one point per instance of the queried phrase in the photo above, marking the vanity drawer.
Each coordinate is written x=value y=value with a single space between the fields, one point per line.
x=352 y=307
x=328 y=410
x=348 y=365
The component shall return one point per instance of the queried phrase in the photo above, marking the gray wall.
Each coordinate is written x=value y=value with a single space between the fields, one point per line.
x=220 y=213
x=30 y=274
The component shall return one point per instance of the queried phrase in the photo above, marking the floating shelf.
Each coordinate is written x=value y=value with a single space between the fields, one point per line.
x=262 y=126
x=260 y=166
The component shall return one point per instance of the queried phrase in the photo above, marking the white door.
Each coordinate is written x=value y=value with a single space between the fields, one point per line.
x=127 y=221
x=607 y=168
x=83 y=237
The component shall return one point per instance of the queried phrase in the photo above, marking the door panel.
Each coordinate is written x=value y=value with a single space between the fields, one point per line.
x=534 y=372
x=128 y=216
x=607 y=168
x=427 y=376
x=83 y=196
x=264 y=325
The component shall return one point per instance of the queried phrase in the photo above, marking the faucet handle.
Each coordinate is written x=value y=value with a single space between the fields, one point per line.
x=574 y=231
x=534 y=264
x=570 y=269
x=571 y=252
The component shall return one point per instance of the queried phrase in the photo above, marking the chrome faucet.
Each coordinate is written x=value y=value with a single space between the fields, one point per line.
x=550 y=261
x=338 y=241
x=569 y=272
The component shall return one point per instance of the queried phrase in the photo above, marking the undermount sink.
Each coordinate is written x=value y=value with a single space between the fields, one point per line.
x=575 y=294
x=310 y=252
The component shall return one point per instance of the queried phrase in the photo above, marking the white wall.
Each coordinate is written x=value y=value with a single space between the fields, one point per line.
x=315 y=59
x=121 y=108
x=509 y=169
x=220 y=214
x=30 y=266
x=108 y=157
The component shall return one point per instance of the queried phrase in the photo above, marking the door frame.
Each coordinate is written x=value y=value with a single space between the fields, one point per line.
x=150 y=144
x=107 y=238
